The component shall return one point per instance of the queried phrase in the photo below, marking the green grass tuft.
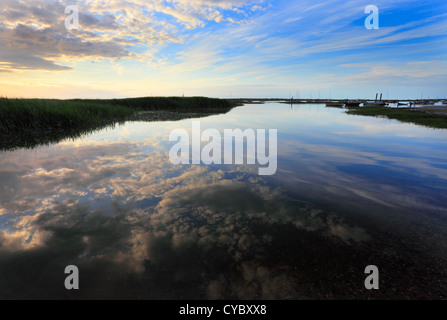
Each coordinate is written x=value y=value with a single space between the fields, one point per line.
x=403 y=114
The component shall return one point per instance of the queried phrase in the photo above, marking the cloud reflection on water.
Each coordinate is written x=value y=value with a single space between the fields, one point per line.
x=139 y=227
x=127 y=208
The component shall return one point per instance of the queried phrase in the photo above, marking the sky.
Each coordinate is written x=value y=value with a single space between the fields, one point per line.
x=223 y=48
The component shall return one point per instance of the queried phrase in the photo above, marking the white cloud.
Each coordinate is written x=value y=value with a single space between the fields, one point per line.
x=33 y=36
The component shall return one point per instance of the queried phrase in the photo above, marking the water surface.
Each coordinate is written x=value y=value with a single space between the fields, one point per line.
x=349 y=192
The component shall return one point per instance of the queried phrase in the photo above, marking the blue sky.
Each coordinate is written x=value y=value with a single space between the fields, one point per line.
x=223 y=48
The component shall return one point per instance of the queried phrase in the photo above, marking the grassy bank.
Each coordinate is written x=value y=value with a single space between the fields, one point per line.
x=17 y=115
x=404 y=115
x=180 y=104
x=30 y=122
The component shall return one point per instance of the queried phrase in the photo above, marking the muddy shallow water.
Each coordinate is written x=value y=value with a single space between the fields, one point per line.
x=349 y=192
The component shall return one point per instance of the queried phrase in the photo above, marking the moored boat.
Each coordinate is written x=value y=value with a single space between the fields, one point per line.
x=374 y=104
x=334 y=104
x=352 y=104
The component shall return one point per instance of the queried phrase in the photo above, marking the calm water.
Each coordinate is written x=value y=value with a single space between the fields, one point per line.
x=349 y=192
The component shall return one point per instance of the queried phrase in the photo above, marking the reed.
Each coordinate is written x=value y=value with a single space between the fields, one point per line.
x=29 y=122
x=405 y=115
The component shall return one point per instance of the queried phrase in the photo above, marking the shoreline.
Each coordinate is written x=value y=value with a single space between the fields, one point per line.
x=28 y=123
x=434 y=117
x=439 y=110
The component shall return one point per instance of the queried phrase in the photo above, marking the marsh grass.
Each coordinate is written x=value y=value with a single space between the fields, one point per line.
x=181 y=104
x=31 y=122
x=405 y=115
x=18 y=114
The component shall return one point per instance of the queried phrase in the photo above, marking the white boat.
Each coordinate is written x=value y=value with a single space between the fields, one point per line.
x=374 y=104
